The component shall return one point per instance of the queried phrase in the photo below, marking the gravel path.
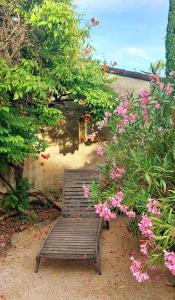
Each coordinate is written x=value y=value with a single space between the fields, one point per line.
x=58 y=280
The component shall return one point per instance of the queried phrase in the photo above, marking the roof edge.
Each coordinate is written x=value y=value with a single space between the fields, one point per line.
x=131 y=74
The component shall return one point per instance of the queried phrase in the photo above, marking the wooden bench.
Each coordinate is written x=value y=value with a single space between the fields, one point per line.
x=77 y=234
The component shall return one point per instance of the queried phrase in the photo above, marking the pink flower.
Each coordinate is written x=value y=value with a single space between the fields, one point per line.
x=153 y=207
x=157 y=106
x=126 y=104
x=155 y=77
x=144 y=99
x=104 y=212
x=121 y=110
x=117 y=173
x=123 y=208
x=86 y=191
x=144 y=93
x=108 y=115
x=143 y=249
x=160 y=84
x=170 y=261
x=136 y=271
x=126 y=120
x=119 y=196
x=131 y=214
x=121 y=130
x=100 y=151
x=145 y=226
x=168 y=89
x=121 y=170
x=115 y=201
x=132 y=118
x=101 y=124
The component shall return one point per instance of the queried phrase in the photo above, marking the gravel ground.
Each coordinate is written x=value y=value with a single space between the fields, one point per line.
x=73 y=280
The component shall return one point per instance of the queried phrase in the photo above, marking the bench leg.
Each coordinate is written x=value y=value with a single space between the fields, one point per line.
x=107 y=225
x=38 y=259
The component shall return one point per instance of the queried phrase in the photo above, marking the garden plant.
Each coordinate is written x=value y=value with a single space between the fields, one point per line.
x=138 y=175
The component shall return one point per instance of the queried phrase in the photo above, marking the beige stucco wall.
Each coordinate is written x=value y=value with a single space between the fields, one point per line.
x=124 y=84
x=65 y=152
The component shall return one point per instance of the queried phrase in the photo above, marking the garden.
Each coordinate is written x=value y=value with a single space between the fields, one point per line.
x=46 y=61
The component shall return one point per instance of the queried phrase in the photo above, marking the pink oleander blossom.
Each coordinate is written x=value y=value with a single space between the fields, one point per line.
x=136 y=270
x=121 y=130
x=153 y=207
x=108 y=115
x=131 y=214
x=100 y=151
x=144 y=98
x=132 y=118
x=123 y=208
x=126 y=104
x=119 y=196
x=155 y=77
x=86 y=191
x=157 y=105
x=104 y=211
x=126 y=121
x=101 y=124
x=168 y=89
x=144 y=93
x=117 y=173
x=121 y=110
x=145 y=226
x=143 y=248
x=160 y=84
x=170 y=261
x=116 y=202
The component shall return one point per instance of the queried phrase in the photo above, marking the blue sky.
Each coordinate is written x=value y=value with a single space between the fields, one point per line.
x=131 y=32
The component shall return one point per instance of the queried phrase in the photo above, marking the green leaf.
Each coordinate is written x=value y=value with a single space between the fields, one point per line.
x=16 y=96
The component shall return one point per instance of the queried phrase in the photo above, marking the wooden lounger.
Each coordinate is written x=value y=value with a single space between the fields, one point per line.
x=77 y=234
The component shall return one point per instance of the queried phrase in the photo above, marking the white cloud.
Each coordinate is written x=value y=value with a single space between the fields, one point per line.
x=137 y=52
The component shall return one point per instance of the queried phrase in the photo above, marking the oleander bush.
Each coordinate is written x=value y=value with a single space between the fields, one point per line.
x=138 y=173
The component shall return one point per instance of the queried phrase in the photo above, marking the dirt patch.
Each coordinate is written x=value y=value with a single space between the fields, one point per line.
x=16 y=224
x=77 y=280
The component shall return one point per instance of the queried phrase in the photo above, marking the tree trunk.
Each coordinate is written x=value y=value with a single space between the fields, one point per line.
x=18 y=174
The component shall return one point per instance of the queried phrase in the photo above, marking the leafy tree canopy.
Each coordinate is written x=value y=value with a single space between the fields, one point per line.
x=44 y=61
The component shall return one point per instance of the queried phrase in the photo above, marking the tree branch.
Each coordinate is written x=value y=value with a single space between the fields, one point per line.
x=6 y=182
